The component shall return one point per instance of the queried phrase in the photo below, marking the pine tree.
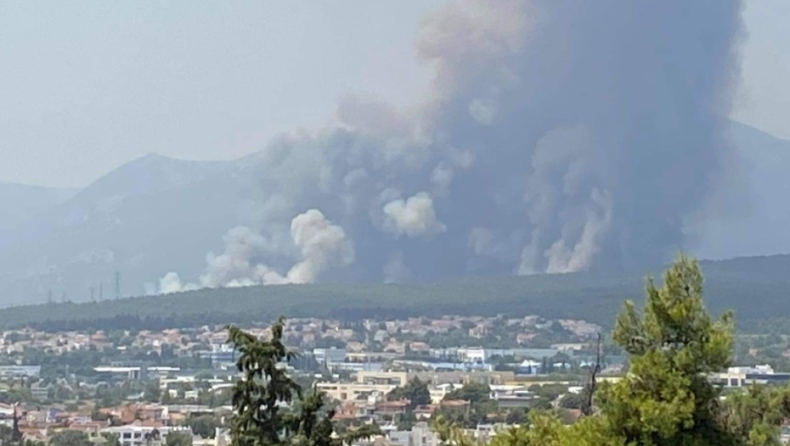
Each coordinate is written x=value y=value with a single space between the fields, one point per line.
x=260 y=399
x=667 y=398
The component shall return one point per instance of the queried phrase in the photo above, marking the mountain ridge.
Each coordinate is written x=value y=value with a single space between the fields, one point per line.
x=157 y=214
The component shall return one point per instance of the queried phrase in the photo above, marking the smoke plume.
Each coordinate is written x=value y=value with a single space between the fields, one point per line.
x=557 y=136
x=414 y=216
x=321 y=246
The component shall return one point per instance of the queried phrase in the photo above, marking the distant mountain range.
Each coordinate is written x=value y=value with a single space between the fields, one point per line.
x=158 y=214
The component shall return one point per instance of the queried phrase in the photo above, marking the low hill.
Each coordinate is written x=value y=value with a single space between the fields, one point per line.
x=755 y=287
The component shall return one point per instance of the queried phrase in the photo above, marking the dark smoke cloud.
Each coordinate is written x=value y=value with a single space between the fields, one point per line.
x=558 y=136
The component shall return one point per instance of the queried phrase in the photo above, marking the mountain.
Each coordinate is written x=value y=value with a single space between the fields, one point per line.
x=757 y=221
x=19 y=203
x=755 y=288
x=157 y=214
x=139 y=220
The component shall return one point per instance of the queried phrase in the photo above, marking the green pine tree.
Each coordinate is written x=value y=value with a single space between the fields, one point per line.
x=262 y=400
x=666 y=398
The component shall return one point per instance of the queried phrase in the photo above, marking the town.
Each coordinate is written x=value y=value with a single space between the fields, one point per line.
x=174 y=386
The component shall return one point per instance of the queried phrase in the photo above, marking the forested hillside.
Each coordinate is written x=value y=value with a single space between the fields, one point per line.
x=756 y=288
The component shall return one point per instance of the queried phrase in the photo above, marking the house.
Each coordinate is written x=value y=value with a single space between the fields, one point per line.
x=383 y=378
x=92 y=429
x=425 y=412
x=353 y=391
x=392 y=408
x=419 y=435
x=141 y=433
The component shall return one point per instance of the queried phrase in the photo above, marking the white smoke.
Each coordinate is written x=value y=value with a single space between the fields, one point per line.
x=321 y=244
x=171 y=283
x=235 y=267
x=563 y=258
x=414 y=216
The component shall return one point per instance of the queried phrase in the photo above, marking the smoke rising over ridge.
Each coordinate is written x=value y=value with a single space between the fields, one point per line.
x=558 y=136
x=321 y=245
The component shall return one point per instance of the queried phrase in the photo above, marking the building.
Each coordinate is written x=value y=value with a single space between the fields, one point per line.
x=746 y=376
x=329 y=356
x=473 y=355
x=222 y=356
x=386 y=378
x=462 y=377
x=138 y=435
x=511 y=397
x=419 y=435
x=20 y=371
x=354 y=391
x=126 y=372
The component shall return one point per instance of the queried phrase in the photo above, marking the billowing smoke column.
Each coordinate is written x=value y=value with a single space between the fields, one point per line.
x=322 y=245
x=558 y=136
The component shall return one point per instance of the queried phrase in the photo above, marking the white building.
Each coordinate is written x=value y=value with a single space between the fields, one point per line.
x=329 y=356
x=473 y=355
x=419 y=435
x=746 y=376
x=137 y=435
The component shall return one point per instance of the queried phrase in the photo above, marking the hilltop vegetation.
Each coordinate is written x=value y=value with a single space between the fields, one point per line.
x=755 y=288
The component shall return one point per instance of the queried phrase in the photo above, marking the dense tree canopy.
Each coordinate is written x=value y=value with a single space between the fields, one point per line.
x=472 y=392
x=415 y=391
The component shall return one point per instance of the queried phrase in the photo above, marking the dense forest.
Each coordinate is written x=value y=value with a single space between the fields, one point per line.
x=755 y=288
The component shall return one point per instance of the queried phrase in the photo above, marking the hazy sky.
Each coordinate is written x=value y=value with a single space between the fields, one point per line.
x=88 y=85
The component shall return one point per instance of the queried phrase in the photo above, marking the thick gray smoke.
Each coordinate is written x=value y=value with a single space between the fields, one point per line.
x=558 y=136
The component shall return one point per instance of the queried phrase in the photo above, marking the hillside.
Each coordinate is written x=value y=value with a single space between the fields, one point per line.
x=756 y=288
x=19 y=203
x=756 y=223
x=158 y=214
x=139 y=220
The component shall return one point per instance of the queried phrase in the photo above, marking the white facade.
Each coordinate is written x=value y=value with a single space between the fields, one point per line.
x=328 y=356
x=473 y=355
x=746 y=376
x=134 y=435
x=420 y=435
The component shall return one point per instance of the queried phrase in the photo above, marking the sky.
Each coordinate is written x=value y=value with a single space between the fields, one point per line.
x=86 y=86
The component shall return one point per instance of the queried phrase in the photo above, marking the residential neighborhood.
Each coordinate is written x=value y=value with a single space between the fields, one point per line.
x=140 y=387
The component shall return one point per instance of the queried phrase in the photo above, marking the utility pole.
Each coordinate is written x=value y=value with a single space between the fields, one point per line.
x=117 y=285
x=591 y=385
